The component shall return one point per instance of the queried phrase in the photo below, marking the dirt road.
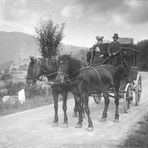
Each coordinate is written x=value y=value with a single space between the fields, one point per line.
x=33 y=128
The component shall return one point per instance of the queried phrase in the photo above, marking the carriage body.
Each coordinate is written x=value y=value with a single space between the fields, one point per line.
x=131 y=89
x=129 y=48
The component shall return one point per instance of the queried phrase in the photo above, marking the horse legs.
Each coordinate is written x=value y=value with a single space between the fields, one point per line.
x=65 y=124
x=75 y=108
x=87 y=110
x=55 y=98
x=117 y=106
x=79 y=105
x=83 y=109
x=117 y=85
x=106 y=102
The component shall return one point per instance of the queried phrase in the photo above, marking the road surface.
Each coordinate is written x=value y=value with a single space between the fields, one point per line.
x=33 y=128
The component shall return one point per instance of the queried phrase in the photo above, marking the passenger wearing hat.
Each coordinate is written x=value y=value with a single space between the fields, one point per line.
x=114 y=49
x=95 y=55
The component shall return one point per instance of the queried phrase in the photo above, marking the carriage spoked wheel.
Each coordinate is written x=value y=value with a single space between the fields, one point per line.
x=138 y=89
x=127 y=97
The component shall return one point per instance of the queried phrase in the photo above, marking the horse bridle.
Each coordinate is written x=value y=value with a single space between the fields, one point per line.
x=31 y=77
x=46 y=75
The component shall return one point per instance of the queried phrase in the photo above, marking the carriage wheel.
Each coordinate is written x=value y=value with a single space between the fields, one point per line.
x=128 y=96
x=138 y=89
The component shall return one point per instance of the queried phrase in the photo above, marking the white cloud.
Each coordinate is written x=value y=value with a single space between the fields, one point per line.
x=72 y=11
x=132 y=3
x=118 y=21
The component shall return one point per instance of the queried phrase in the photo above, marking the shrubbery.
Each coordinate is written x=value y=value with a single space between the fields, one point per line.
x=14 y=87
x=6 y=77
x=36 y=90
x=36 y=96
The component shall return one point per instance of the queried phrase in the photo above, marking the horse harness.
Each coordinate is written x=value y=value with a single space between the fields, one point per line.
x=46 y=75
x=98 y=89
x=99 y=77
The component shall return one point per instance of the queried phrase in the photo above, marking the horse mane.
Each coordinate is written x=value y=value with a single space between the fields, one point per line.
x=75 y=64
x=46 y=62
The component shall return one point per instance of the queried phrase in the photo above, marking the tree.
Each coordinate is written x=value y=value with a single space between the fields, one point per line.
x=48 y=37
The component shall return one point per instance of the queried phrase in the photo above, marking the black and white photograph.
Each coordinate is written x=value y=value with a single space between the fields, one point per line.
x=73 y=73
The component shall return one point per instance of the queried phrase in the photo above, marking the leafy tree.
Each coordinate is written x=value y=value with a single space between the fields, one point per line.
x=48 y=37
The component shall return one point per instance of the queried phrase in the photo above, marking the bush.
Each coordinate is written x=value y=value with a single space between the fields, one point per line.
x=6 y=77
x=36 y=90
x=13 y=88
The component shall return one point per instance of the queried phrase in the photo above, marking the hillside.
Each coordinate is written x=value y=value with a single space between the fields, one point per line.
x=20 y=45
x=75 y=51
x=16 y=45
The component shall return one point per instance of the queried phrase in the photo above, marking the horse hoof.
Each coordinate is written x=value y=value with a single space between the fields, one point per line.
x=65 y=125
x=54 y=124
x=90 y=129
x=102 y=119
x=116 y=120
x=78 y=125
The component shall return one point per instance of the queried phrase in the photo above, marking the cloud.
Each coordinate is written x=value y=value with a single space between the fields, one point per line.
x=19 y=15
x=13 y=10
x=102 y=6
x=99 y=7
x=129 y=11
x=72 y=11
x=138 y=13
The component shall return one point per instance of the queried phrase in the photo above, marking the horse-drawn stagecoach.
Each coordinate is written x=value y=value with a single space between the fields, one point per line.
x=132 y=89
x=124 y=78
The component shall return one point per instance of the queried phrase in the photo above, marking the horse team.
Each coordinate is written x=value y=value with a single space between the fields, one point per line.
x=68 y=75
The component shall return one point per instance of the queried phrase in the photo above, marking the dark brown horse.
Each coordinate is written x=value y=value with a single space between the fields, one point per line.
x=45 y=67
x=100 y=79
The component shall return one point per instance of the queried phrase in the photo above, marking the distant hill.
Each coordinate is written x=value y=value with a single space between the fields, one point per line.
x=17 y=45
x=14 y=45
x=76 y=51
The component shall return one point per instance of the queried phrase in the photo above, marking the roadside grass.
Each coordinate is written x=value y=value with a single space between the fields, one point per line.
x=139 y=138
x=7 y=108
x=30 y=103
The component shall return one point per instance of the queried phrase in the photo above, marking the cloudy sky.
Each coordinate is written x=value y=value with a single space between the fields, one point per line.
x=84 y=18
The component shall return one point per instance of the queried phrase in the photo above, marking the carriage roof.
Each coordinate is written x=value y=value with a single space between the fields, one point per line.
x=127 y=44
x=127 y=41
